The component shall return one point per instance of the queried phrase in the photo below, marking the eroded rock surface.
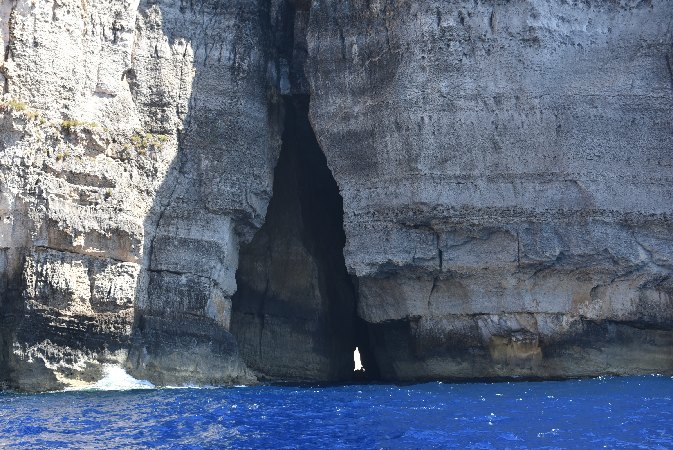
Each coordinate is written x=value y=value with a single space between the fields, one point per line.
x=506 y=170
x=507 y=175
x=138 y=146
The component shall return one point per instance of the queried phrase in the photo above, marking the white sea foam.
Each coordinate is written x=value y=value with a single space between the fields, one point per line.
x=115 y=379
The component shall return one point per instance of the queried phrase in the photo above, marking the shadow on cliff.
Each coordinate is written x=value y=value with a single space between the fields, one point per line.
x=294 y=310
x=294 y=313
x=180 y=331
x=11 y=286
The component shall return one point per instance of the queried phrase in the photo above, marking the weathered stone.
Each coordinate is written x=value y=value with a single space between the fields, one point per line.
x=500 y=159
x=115 y=179
x=505 y=171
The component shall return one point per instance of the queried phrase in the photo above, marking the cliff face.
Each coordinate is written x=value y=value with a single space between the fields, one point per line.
x=137 y=149
x=505 y=171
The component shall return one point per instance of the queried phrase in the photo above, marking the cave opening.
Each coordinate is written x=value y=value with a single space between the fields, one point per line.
x=294 y=313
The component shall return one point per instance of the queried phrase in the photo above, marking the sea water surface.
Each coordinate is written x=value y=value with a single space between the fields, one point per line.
x=634 y=412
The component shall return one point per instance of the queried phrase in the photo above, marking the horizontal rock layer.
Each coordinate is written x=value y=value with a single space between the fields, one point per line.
x=507 y=184
x=138 y=141
x=506 y=172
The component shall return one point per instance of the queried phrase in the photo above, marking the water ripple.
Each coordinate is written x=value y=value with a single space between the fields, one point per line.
x=634 y=412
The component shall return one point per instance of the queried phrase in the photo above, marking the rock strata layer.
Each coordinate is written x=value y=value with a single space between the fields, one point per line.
x=506 y=170
x=502 y=189
x=138 y=147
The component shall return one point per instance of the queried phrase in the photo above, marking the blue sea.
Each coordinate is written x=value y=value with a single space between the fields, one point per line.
x=635 y=412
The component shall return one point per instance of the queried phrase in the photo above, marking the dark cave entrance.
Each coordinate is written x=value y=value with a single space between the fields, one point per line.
x=294 y=313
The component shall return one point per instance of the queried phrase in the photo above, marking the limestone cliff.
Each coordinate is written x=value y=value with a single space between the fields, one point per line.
x=138 y=146
x=502 y=191
x=507 y=176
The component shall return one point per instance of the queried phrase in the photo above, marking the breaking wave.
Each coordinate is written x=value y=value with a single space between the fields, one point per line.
x=115 y=379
